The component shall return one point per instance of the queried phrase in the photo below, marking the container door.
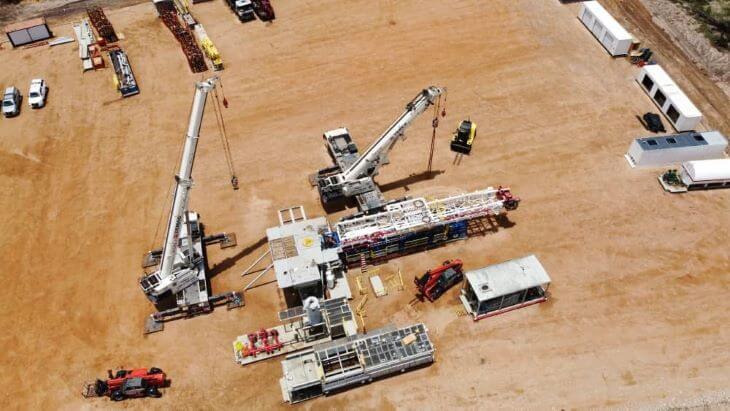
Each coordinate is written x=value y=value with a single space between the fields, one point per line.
x=587 y=19
x=610 y=42
x=597 y=29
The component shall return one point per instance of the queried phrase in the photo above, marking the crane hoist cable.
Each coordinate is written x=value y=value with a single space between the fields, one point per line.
x=224 y=137
x=223 y=93
x=435 y=124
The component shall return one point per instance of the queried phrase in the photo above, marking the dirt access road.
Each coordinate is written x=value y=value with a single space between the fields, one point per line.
x=640 y=277
x=710 y=99
x=55 y=11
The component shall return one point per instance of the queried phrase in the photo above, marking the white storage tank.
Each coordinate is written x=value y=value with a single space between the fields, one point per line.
x=605 y=28
x=670 y=99
x=676 y=148
x=706 y=174
x=313 y=310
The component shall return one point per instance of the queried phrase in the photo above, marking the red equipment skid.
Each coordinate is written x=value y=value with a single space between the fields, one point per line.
x=510 y=201
x=263 y=341
x=436 y=281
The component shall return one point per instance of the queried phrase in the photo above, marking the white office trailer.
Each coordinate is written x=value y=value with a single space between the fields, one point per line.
x=605 y=28
x=504 y=287
x=705 y=174
x=676 y=148
x=665 y=93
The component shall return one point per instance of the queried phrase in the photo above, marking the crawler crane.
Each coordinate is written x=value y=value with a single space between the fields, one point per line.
x=180 y=286
x=352 y=175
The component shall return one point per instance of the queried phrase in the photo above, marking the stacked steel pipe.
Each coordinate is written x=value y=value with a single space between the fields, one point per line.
x=187 y=41
x=102 y=24
x=263 y=10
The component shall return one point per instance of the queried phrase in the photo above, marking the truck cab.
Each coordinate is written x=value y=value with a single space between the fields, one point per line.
x=11 y=102
x=243 y=9
x=134 y=388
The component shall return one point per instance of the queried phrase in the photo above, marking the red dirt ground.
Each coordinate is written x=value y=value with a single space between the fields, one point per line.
x=640 y=277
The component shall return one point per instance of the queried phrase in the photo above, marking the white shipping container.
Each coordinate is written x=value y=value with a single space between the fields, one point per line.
x=605 y=28
x=670 y=99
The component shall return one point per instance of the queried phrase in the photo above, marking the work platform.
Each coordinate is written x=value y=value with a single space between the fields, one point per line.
x=306 y=258
x=356 y=360
x=297 y=333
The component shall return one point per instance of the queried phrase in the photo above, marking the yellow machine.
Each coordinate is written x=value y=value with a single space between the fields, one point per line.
x=208 y=47
x=212 y=52
x=464 y=137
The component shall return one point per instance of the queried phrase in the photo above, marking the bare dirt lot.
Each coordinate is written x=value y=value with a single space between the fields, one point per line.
x=638 y=315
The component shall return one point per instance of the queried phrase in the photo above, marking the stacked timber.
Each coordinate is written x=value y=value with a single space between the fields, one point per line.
x=190 y=47
x=102 y=24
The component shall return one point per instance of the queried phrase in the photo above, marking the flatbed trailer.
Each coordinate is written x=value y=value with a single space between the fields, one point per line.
x=126 y=83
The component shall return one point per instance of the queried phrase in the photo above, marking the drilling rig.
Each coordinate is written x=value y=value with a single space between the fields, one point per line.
x=352 y=175
x=179 y=287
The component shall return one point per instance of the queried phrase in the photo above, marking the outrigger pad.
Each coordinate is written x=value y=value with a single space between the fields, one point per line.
x=152 y=325
x=151 y=259
x=235 y=301
x=229 y=240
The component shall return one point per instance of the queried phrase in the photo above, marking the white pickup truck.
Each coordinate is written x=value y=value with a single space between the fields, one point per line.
x=37 y=93
x=11 y=102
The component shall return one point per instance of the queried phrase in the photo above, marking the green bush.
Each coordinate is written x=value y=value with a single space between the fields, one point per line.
x=714 y=19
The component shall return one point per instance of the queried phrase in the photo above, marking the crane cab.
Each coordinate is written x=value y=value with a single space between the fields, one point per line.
x=464 y=137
